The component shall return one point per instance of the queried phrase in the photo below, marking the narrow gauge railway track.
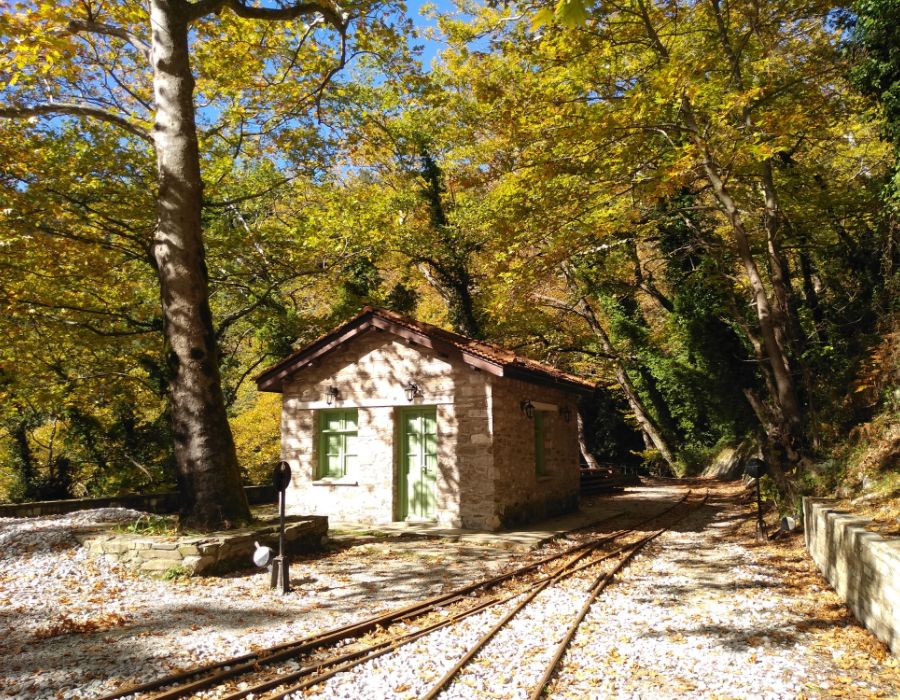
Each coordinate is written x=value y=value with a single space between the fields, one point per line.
x=276 y=669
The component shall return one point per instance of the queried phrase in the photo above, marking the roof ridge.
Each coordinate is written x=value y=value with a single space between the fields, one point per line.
x=482 y=350
x=469 y=342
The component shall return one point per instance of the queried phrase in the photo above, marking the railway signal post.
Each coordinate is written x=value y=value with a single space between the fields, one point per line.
x=281 y=578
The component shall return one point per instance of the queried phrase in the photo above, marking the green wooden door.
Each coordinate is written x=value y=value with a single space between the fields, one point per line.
x=418 y=463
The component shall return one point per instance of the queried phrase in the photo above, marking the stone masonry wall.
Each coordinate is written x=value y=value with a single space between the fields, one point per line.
x=521 y=494
x=862 y=566
x=475 y=451
x=370 y=373
x=204 y=554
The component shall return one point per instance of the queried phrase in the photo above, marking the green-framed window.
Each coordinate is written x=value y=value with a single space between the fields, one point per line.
x=540 y=458
x=337 y=442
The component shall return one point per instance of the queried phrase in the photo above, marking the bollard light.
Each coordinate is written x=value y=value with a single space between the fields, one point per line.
x=756 y=468
x=281 y=577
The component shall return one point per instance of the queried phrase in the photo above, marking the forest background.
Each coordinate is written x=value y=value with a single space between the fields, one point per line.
x=692 y=203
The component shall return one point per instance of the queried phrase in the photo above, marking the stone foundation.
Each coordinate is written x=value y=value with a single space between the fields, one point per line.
x=212 y=553
x=862 y=566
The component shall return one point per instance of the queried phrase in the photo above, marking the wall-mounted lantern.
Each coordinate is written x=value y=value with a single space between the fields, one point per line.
x=527 y=408
x=566 y=414
x=412 y=390
x=331 y=395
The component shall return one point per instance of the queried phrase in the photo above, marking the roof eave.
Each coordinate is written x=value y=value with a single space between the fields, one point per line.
x=272 y=379
x=421 y=338
x=548 y=380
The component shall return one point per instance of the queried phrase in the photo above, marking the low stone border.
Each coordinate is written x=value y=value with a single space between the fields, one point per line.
x=163 y=502
x=862 y=566
x=212 y=553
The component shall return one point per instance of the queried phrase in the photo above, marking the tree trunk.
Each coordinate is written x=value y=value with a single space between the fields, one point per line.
x=644 y=420
x=811 y=296
x=779 y=323
x=762 y=413
x=461 y=304
x=786 y=398
x=589 y=459
x=23 y=459
x=449 y=267
x=208 y=471
x=787 y=319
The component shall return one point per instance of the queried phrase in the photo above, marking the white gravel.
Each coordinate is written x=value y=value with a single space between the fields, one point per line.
x=700 y=614
x=697 y=615
x=72 y=627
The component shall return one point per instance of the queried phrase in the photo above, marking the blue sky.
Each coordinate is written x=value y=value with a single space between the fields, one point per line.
x=414 y=8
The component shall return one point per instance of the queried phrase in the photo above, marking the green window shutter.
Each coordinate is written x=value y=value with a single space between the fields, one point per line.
x=337 y=442
x=540 y=465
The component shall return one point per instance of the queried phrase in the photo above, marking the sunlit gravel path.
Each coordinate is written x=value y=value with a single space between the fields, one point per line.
x=705 y=612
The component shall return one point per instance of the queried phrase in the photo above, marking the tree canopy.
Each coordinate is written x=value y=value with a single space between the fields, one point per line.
x=685 y=201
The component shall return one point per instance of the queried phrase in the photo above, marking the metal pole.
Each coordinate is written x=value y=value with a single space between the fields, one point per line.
x=283 y=575
x=760 y=523
x=281 y=500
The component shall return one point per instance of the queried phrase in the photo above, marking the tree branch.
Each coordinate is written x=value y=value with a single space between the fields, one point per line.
x=332 y=14
x=77 y=110
x=82 y=25
x=252 y=195
x=235 y=316
x=151 y=325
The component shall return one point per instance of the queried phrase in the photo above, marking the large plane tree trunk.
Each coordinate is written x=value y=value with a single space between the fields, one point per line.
x=204 y=448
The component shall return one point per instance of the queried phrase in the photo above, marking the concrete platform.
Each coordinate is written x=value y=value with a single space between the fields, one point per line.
x=627 y=506
x=525 y=537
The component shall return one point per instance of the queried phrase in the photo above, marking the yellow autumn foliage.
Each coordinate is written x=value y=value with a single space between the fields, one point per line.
x=257 y=436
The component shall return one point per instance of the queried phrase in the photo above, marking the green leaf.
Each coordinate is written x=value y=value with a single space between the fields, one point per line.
x=544 y=16
x=571 y=13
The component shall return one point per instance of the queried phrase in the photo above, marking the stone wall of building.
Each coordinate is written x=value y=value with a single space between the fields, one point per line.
x=521 y=493
x=474 y=451
x=370 y=373
x=486 y=463
x=862 y=566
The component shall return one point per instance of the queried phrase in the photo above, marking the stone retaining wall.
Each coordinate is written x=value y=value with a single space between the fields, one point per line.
x=211 y=553
x=862 y=566
x=166 y=502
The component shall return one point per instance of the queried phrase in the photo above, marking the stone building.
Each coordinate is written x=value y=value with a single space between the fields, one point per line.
x=389 y=419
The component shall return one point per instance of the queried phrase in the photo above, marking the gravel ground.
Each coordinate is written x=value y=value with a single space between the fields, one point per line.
x=705 y=612
x=71 y=627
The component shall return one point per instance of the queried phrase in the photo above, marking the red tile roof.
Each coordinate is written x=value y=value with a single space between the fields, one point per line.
x=492 y=358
